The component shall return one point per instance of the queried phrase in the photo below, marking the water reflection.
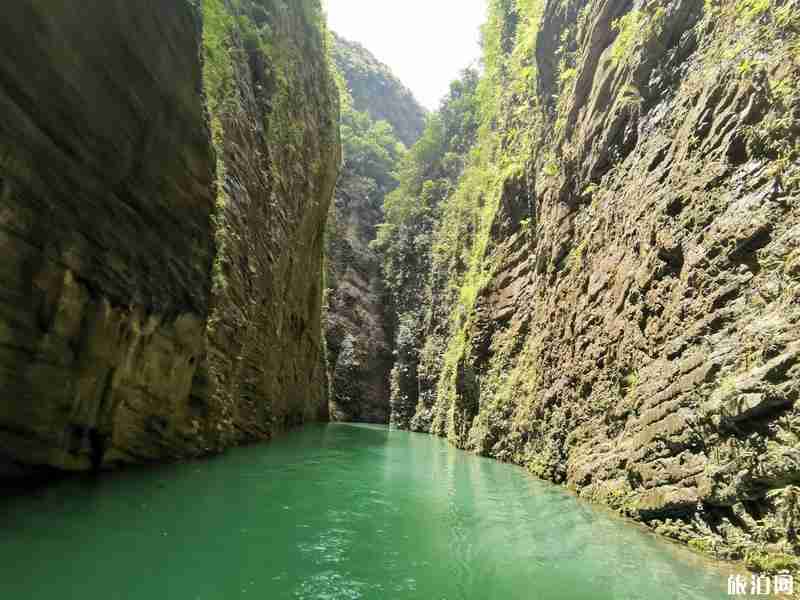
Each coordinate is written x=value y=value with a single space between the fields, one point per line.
x=335 y=512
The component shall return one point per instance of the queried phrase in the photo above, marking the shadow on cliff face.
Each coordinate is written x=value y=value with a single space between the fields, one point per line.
x=156 y=306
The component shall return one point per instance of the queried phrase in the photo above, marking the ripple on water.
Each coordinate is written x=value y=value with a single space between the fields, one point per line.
x=335 y=512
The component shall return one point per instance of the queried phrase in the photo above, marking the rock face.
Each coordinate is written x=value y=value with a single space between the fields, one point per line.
x=377 y=91
x=357 y=327
x=629 y=325
x=161 y=273
x=359 y=324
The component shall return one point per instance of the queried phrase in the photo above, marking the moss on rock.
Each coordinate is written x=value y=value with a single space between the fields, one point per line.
x=163 y=209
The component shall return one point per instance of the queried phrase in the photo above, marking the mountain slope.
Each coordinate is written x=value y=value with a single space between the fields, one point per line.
x=377 y=91
x=358 y=319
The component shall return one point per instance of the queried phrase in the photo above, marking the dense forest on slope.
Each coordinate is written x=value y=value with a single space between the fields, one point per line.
x=605 y=230
x=428 y=176
x=375 y=90
x=357 y=329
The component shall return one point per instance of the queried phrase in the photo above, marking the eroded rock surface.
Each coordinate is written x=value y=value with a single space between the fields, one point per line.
x=377 y=114
x=115 y=343
x=635 y=330
x=358 y=324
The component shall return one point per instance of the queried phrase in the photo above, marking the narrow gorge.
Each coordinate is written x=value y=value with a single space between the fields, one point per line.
x=224 y=224
x=380 y=117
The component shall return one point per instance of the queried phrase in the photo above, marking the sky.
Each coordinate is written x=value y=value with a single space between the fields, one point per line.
x=426 y=43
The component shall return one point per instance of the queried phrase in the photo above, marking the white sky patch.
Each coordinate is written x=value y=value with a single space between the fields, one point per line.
x=426 y=43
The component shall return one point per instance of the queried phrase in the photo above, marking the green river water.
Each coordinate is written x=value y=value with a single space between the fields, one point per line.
x=339 y=512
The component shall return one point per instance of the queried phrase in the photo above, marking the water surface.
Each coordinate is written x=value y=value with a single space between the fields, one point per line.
x=340 y=512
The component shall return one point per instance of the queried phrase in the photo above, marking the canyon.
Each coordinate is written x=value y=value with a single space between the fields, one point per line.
x=220 y=221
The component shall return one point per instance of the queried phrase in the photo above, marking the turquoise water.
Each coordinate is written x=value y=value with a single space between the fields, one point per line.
x=339 y=512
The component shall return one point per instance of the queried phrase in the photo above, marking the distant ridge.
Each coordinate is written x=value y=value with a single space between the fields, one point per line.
x=377 y=91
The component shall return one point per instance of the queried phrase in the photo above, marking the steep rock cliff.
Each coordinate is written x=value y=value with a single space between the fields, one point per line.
x=617 y=274
x=359 y=323
x=274 y=121
x=117 y=344
x=357 y=326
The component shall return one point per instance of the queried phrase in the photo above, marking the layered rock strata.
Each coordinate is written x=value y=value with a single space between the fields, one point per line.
x=162 y=249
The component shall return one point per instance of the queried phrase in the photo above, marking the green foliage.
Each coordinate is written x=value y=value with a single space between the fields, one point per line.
x=628 y=27
x=374 y=89
x=222 y=99
x=576 y=256
x=703 y=545
x=436 y=239
x=568 y=75
x=217 y=66
x=550 y=169
x=766 y=49
x=225 y=22
x=460 y=113
x=345 y=98
x=633 y=29
x=628 y=383
x=746 y=67
x=427 y=176
x=370 y=149
x=234 y=31
x=764 y=562
x=752 y=9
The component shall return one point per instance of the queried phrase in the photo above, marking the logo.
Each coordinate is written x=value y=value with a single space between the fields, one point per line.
x=761 y=585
